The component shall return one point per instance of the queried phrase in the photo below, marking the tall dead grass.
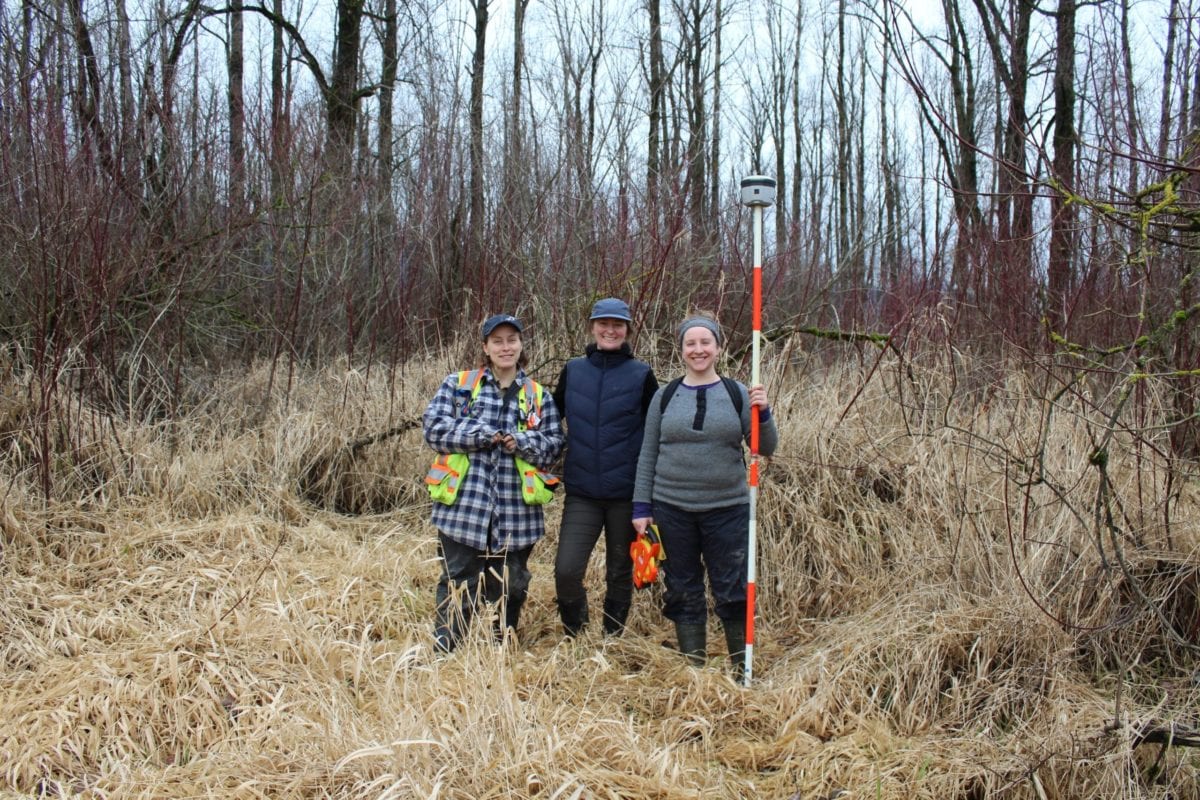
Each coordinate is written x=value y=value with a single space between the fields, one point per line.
x=236 y=603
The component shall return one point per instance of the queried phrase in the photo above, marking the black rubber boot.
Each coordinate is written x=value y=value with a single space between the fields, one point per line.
x=574 y=617
x=512 y=615
x=615 y=615
x=735 y=640
x=693 y=641
x=447 y=629
x=512 y=611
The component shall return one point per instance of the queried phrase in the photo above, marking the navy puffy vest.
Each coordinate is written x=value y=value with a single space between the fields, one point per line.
x=605 y=421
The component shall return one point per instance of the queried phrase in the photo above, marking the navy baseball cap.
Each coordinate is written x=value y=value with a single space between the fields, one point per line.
x=491 y=323
x=611 y=308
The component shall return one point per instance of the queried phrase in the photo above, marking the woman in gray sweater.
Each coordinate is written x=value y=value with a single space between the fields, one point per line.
x=691 y=482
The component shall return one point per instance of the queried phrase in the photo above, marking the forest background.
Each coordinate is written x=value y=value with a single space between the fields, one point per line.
x=242 y=244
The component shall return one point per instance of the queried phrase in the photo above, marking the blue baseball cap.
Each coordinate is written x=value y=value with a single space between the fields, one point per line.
x=491 y=323
x=611 y=308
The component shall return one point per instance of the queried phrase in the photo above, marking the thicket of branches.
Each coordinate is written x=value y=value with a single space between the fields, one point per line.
x=185 y=185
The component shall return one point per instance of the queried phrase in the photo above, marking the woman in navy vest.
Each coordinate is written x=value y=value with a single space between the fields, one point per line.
x=603 y=396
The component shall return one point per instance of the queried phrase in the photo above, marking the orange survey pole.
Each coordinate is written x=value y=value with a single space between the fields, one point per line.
x=758 y=192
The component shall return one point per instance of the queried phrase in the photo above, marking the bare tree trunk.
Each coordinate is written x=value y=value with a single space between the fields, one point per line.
x=581 y=46
x=657 y=110
x=863 y=270
x=797 y=141
x=1189 y=68
x=693 y=25
x=1133 y=125
x=780 y=125
x=279 y=135
x=843 y=144
x=890 y=251
x=674 y=123
x=965 y=165
x=514 y=153
x=1168 y=80
x=387 y=89
x=595 y=40
x=1062 y=212
x=1007 y=35
x=90 y=89
x=160 y=174
x=237 y=111
x=514 y=212
x=1185 y=435
x=820 y=226
x=934 y=269
x=476 y=222
x=781 y=93
x=1019 y=183
x=128 y=132
x=341 y=102
x=24 y=75
x=714 y=164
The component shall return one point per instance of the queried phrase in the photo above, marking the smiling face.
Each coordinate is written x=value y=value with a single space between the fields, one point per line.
x=609 y=333
x=700 y=350
x=502 y=348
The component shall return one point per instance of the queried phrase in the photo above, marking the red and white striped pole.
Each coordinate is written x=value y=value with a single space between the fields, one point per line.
x=758 y=192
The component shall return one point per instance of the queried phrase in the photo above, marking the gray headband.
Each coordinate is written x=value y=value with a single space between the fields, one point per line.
x=700 y=322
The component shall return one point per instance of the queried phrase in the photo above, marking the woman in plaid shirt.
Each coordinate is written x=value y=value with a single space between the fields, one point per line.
x=485 y=536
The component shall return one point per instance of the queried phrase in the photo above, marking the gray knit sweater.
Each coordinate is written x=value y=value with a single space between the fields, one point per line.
x=694 y=460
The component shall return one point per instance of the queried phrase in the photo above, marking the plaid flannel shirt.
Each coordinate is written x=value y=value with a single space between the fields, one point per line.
x=489 y=513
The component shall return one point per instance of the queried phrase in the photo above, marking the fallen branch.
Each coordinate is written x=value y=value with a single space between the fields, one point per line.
x=316 y=481
x=882 y=340
x=1169 y=735
x=354 y=446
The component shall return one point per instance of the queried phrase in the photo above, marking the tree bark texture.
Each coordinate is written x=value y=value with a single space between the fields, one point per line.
x=476 y=222
x=1062 y=212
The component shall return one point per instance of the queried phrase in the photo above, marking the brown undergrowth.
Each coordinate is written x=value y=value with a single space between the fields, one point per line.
x=236 y=603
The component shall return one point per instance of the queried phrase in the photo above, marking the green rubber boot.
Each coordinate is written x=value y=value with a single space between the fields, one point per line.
x=693 y=641
x=574 y=617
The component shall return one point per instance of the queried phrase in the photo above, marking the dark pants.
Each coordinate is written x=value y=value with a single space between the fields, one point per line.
x=582 y=520
x=477 y=575
x=699 y=542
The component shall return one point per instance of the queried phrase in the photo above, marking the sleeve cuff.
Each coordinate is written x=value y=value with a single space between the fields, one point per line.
x=642 y=510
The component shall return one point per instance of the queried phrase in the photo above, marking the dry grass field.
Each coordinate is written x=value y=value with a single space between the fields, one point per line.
x=958 y=599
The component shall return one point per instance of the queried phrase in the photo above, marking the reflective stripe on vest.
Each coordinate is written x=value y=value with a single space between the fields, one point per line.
x=445 y=476
x=537 y=487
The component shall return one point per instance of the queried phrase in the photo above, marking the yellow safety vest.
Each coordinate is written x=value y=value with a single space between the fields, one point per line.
x=449 y=470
